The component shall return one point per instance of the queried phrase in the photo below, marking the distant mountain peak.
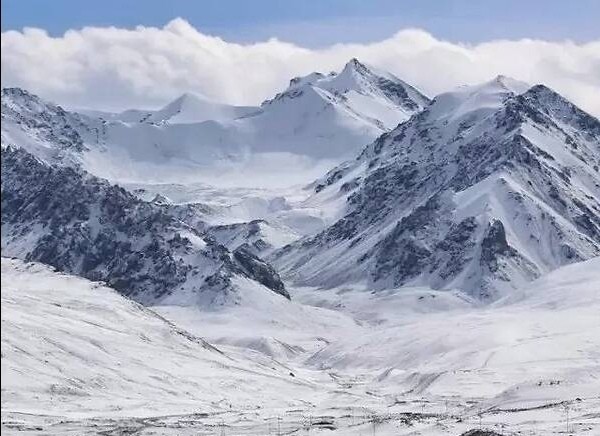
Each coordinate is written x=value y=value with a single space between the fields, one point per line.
x=503 y=79
x=16 y=91
x=355 y=65
x=190 y=96
x=368 y=80
x=308 y=79
x=512 y=85
x=192 y=107
x=378 y=98
x=354 y=68
x=16 y=95
x=500 y=85
x=467 y=100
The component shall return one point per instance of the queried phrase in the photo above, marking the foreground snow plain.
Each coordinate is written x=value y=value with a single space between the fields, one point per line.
x=77 y=358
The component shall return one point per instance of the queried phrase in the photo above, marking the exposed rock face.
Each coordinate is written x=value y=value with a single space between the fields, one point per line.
x=487 y=188
x=244 y=233
x=479 y=432
x=47 y=121
x=64 y=217
x=259 y=270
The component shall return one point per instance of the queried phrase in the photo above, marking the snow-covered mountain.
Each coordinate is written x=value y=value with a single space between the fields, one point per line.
x=508 y=174
x=71 y=347
x=318 y=118
x=78 y=223
x=116 y=150
x=488 y=188
x=369 y=92
x=329 y=115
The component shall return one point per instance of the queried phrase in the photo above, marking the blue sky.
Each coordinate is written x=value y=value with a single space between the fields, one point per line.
x=320 y=23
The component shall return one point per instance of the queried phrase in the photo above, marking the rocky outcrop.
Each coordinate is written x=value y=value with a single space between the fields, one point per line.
x=78 y=223
x=259 y=270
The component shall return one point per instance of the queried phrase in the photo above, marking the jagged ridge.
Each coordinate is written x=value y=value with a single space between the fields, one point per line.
x=485 y=189
x=81 y=224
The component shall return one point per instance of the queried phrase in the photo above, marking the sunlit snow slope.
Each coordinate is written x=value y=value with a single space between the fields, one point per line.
x=74 y=346
x=77 y=357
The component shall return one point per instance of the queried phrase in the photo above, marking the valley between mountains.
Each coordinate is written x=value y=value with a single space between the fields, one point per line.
x=351 y=257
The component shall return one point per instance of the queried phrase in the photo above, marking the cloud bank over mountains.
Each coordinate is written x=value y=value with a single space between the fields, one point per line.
x=113 y=68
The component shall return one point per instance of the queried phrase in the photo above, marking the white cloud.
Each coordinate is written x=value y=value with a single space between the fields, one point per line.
x=146 y=66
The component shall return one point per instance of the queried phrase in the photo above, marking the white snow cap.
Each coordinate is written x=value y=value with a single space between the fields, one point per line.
x=482 y=97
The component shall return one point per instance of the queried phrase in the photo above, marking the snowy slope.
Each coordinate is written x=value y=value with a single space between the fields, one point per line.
x=76 y=348
x=552 y=320
x=79 y=358
x=486 y=189
x=518 y=362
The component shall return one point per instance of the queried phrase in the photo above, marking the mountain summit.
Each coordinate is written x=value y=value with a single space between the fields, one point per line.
x=375 y=97
x=487 y=188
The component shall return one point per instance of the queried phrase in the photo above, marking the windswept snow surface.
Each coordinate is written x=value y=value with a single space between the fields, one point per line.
x=77 y=358
x=75 y=349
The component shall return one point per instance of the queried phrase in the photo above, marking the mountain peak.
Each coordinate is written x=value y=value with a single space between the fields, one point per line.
x=468 y=99
x=354 y=62
x=508 y=83
x=501 y=78
x=309 y=79
x=543 y=91
x=16 y=101
x=356 y=66
x=188 y=97
x=15 y=91
x=191 y=107
x=17 y=95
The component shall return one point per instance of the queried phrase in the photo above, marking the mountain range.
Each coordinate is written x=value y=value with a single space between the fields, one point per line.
x=481 y=189
x=316 y=118
x=349 y=257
